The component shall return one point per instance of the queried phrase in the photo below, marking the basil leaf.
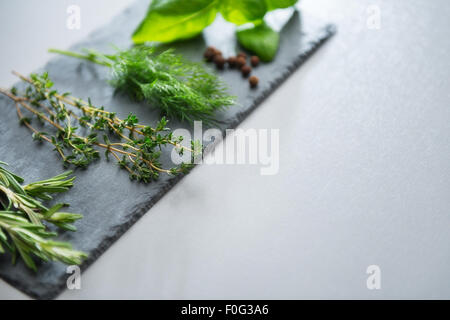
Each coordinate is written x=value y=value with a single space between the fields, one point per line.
x=279 y=4
x=243 y=11
x=169 y=20
x=261 y=40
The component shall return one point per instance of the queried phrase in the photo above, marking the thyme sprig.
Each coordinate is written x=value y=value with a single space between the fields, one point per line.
x=22 y=214
x=136 y=147
x=179 y=88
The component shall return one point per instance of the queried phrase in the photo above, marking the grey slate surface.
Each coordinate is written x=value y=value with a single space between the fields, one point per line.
x=103 y=193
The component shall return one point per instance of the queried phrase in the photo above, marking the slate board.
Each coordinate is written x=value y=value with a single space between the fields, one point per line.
x=110 y=202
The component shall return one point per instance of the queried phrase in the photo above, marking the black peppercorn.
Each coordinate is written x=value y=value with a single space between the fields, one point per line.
x=240 y=62
x=209 y=55
x=246 y=70
x=219 y=61
x=254 y=60
x=232 y=62
x=253 y=81
x=242 y=54
x=212 y=49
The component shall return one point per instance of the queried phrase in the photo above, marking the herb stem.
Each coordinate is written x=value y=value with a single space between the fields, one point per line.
x=178 y=88
x=141 y=153
x=21 y=215
x=84 y=106
x=89 y=57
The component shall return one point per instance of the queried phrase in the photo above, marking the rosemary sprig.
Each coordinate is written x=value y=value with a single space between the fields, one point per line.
x=135 y=147
x=22 y=213
x=179 y=88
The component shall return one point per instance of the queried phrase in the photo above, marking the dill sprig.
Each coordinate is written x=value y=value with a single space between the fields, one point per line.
x=22 y=213
x=136 y=147
x=179 y=88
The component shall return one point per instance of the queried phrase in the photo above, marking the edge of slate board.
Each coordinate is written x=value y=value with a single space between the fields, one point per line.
x=52 y=291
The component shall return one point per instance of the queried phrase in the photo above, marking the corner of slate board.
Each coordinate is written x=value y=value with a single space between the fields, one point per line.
x=97 y=187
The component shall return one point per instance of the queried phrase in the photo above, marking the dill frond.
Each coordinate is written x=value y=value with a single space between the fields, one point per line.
x=179 y=88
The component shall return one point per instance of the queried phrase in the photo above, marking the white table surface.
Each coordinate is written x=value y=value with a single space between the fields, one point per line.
x=364 y=170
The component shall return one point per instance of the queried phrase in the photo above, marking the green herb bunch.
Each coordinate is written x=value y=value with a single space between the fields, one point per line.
x=170 y=20
x=77 y=125
x=22 y=214
x=180 y=89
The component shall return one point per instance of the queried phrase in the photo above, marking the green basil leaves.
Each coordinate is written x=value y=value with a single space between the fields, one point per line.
x=261 y=40
x=170 y=20
x=279 y=4
x=243 y=11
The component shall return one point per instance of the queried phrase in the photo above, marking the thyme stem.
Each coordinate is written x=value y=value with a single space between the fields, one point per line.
x=140 y=154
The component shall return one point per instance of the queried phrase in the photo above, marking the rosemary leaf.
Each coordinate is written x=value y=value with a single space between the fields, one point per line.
x=21 y=229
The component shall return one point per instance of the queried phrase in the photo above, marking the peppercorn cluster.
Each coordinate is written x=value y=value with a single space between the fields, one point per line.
x=238 y=62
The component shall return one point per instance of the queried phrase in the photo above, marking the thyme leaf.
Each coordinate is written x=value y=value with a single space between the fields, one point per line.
x=77 y=125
